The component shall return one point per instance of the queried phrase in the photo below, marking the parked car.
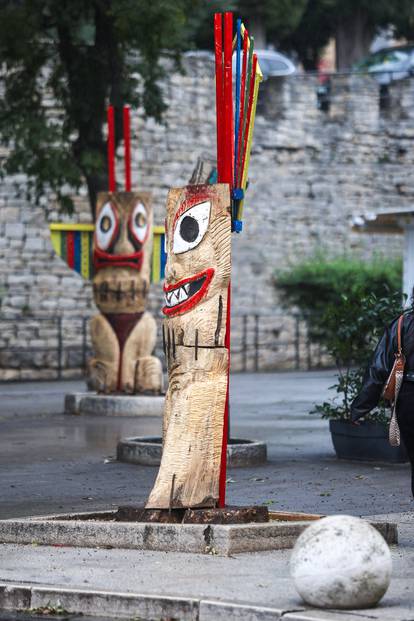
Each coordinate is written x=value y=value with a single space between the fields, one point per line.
x=389 y=64
x=272 y=64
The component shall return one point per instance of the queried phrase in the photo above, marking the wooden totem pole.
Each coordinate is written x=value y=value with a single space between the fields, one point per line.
x=196 y=331
x=124 y=334
x=122 y=253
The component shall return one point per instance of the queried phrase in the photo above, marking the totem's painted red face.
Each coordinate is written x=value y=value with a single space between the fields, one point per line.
x=122 y=251
x=195 y=264
x=121 y=230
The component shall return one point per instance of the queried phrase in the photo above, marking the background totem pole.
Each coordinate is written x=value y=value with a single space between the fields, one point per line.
x=196 y=331
x=118 y=254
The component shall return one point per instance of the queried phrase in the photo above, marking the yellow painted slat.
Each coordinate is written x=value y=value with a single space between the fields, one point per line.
x=85 y=252
x=55 y=238
x=64 y=226
x=156 y=258
x=258 y=79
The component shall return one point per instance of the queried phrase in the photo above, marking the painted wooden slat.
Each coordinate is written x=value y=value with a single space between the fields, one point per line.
x=156 y=258
x=77 y=251
x=228 y=99
x=246 y=108
x=237 y=103
x=69 y=226
x=127 y=149
x=70 y=249
x=258 y=79
x=55 y=238
x=163 y=257
x=63 y=247
x=242 y=98
x=111 y=149
x=218 y=48
x=86 y=242
x=249 y=114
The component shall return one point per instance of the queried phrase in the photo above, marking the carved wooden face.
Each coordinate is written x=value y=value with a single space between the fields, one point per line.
x=122 y=251
x=198 y=247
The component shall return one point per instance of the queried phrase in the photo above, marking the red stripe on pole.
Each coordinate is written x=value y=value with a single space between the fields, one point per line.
x=249 y=113
x=70 y=249
x=127 y=149
x=218 y=47
x=228 y=99
x=111 y=149
x=223 y=464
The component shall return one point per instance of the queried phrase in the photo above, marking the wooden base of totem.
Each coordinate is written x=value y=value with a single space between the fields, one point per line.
x=227 y=515
x=222 y=531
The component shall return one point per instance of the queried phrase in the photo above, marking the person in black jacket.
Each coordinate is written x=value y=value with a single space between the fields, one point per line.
x=377 y=374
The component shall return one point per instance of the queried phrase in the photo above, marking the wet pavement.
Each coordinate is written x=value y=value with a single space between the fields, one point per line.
x=50 y=462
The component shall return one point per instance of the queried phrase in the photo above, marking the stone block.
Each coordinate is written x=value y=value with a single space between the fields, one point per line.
x=14 y=230
x=34 y=244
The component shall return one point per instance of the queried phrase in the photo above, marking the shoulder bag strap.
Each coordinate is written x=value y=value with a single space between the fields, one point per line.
x=399 y=331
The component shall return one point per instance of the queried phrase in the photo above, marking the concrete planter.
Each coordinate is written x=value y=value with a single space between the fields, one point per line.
x=147 y=451
x=99 y=529
x=364 y=442
x=92 y=404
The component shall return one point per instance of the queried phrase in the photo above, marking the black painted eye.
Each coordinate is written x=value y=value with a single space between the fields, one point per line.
x=140 y=220
x=189 y=229
x=106 y=227
x=105 y=224
x=139 y=223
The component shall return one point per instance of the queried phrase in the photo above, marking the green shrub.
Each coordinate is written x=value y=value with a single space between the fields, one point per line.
x=346 y=303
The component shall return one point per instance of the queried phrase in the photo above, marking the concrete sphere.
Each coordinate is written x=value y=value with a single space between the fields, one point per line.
x=341 y=562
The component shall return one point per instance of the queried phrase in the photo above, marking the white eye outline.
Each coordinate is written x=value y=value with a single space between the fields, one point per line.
x=139 y=232
x=105 y=238
x=200 y=213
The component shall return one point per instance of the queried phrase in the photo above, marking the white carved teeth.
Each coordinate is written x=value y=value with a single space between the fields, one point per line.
x=176 y=296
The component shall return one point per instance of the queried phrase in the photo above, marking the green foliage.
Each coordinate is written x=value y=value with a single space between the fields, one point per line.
x=305 y=26
x=80 y=54
x=346 y=303
x=281 y=17
x=325 y=290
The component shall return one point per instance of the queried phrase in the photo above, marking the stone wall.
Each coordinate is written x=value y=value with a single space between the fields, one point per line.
x=310 y=172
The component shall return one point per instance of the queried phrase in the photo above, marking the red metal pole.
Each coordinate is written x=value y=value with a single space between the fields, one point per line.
x=223 y=464
x=127 y=149
x=111 y=149
x=228 y=99
x=218 y=47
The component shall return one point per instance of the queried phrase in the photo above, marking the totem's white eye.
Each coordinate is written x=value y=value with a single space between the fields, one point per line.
x=191 y=227
x=139 y=222
x=106 y=227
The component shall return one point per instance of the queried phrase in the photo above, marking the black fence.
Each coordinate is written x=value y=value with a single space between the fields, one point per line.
x=58 y=347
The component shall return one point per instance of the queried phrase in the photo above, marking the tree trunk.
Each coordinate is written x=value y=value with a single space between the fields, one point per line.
x=353 y=38
x=258 y=31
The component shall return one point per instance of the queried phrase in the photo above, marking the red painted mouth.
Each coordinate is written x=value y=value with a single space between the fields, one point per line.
x=185 y=294
x=105 y=259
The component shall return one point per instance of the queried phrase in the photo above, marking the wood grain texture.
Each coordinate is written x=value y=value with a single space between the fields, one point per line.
x=194 y=337
x=124 y=335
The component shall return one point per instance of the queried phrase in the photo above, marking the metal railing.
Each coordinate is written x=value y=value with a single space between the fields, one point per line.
x=58 y=347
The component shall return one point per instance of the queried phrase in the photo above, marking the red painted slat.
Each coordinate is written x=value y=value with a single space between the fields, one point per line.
x=228 y=99
x=127 y=149
x=111 y=149
x=218 y=47
x=70 y=249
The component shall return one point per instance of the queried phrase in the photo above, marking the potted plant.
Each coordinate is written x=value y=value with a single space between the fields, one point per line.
x=354 y=302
